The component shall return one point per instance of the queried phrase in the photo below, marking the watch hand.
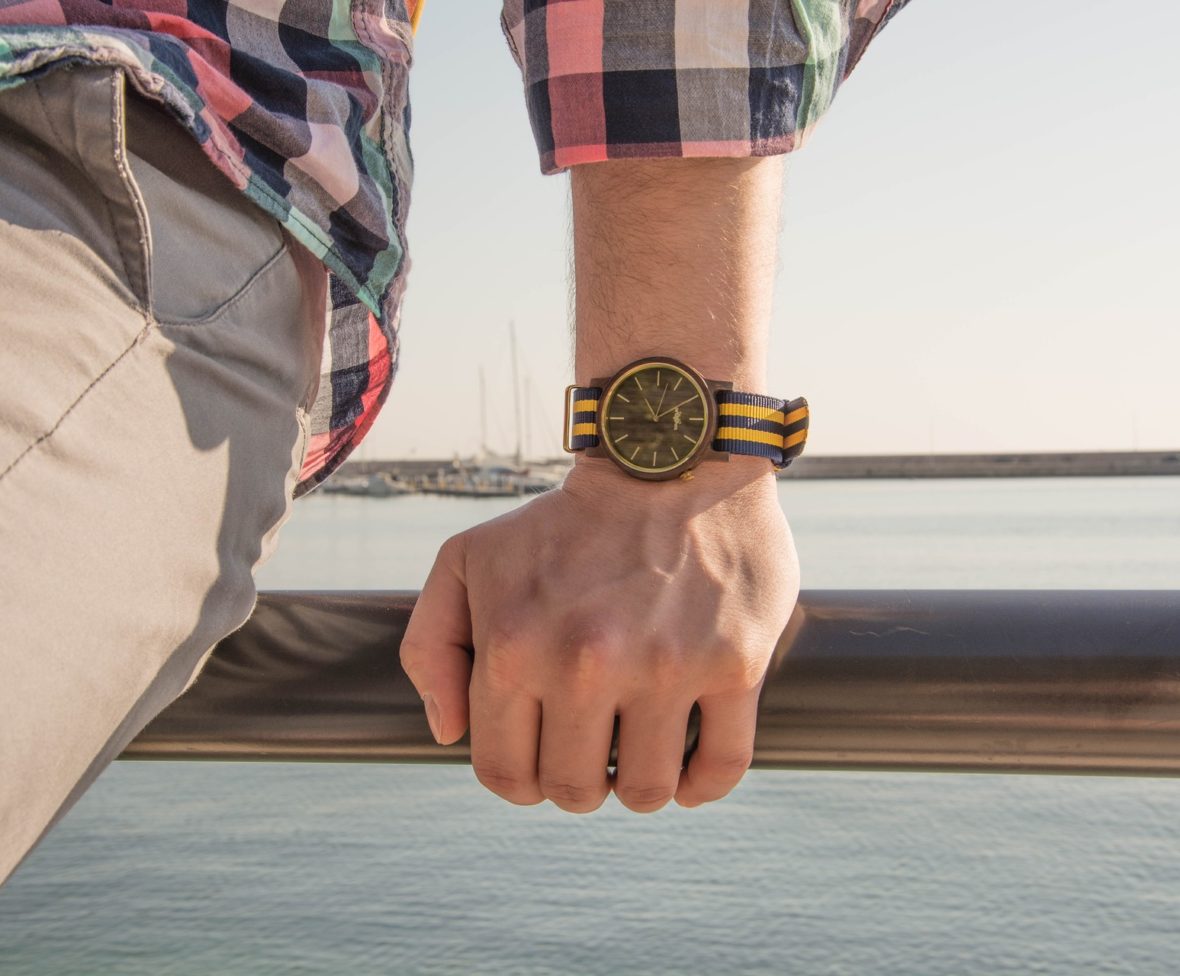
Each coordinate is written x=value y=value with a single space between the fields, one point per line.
x=678 y=405
x=651 y=413
x=663 y=394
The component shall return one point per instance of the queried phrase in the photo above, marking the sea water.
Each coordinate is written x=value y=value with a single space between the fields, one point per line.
x=200 y=868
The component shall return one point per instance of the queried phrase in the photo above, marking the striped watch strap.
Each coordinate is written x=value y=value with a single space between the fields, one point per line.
x=583 y=417
x=763 y=426
x=747 y=423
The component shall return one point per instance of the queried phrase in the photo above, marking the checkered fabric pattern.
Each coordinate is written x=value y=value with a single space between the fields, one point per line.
x=613 y=79
x=303 y=105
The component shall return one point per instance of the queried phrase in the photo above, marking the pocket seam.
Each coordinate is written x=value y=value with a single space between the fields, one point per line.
x=233 y=299
x=139 y=291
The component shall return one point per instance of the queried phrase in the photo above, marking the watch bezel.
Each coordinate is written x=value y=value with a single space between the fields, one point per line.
x=707 y=392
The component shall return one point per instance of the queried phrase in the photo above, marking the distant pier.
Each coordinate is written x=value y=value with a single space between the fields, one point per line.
x=1082 y=464
x=1089 y=464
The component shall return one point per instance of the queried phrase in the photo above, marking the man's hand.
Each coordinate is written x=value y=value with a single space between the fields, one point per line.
x=609 y=598
x=614 y=597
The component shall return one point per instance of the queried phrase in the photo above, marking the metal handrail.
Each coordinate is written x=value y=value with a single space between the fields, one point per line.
x=965 y=681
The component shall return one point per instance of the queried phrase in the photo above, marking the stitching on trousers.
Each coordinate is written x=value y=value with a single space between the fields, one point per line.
x=236 y=297
x=105 y=202
x=81 y=396
x=131 y=188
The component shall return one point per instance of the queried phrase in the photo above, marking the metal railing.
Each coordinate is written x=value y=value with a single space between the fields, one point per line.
x=970 y=681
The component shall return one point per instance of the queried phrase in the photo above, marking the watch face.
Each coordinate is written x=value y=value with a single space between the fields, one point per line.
x=655 y=418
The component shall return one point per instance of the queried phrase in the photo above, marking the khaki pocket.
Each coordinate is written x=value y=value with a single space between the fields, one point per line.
x=208 y=242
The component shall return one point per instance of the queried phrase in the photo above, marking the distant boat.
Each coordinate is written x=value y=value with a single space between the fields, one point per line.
x=377 y=485
x=482 y=480
x=487 y=475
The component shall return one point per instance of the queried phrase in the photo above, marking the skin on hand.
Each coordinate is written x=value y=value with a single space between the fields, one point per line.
x=591 y=602
x=610 y=596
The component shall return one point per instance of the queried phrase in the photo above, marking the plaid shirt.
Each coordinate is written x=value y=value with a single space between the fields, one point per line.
x=619 y=79
x=303 y=105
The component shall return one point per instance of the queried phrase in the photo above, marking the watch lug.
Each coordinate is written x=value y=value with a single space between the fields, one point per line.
x=567 y=426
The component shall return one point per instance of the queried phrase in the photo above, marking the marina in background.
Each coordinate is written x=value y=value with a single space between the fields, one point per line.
x=495 y=477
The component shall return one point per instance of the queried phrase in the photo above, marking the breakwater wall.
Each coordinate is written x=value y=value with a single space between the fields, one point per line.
x=1095 y=464
x=1042 y=465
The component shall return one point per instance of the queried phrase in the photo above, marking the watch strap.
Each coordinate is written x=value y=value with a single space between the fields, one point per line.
x=763 y=426
x=581 y=428
x=747 y=423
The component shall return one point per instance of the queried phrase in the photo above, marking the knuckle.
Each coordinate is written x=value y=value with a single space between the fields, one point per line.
x=700 y=795
x=512 y=784
x=589 y=662
x=644 y=799
x=573 y=797
x=452 y=551
x=504 y=649
x=504 y=629
x=411 y=653
x=728 y=767
x=743 y=668
x=504 y=670
x=666 y=663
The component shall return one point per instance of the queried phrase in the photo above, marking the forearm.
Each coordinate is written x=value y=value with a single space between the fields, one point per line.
x=614 y=601
x=676 y=257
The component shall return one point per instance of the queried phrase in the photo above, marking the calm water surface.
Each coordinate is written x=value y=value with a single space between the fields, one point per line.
x=257 y=869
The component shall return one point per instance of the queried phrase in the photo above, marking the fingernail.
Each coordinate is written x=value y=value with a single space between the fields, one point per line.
x=433 y=717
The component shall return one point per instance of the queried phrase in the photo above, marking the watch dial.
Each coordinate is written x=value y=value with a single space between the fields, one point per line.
x=654 y=417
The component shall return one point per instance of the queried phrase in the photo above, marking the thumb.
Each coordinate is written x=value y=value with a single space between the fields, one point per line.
x=434 y=651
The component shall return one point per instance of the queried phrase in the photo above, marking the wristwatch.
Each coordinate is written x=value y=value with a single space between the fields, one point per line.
x=658 y=419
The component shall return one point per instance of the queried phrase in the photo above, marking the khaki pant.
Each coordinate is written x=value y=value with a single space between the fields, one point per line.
x=159 y=349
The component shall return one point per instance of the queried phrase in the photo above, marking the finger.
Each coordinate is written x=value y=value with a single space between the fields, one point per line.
x=575 y=752
x=724 y=748
x=651 y=753
x=505 y=729
x=434 y=650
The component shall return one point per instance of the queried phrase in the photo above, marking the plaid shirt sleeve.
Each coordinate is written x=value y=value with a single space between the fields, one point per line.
x=617 y=79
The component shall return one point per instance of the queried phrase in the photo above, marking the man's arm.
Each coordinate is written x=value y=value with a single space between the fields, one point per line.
x=676 y=257
x=612 y=596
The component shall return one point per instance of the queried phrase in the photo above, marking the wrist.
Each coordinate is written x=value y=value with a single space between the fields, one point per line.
x=750 y=478
x=743 y=365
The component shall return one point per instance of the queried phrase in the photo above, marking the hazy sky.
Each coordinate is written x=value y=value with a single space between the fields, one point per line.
x=979 y=248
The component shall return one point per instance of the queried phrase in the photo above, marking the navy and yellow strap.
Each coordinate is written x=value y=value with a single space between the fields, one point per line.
x=583 y=418
x=749 y=423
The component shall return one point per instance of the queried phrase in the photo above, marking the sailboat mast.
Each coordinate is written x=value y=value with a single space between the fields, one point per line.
x=515 y=388
x=528 y=409
x=483 y=415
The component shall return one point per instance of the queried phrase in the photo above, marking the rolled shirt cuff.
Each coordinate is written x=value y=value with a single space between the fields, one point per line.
x=621 y=79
